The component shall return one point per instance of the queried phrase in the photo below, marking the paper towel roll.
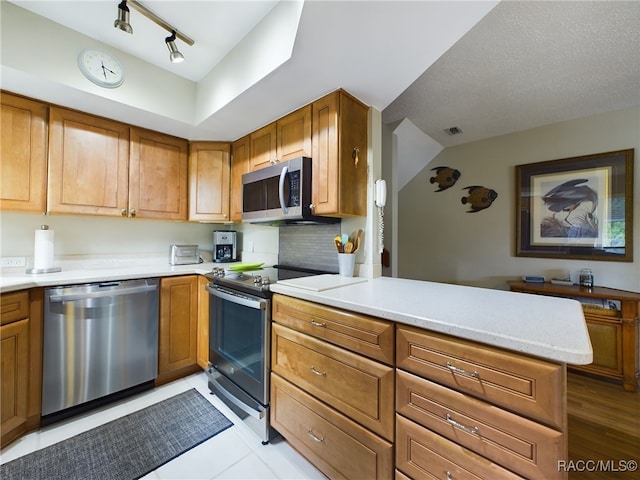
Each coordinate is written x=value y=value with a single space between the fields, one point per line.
x=43 y=251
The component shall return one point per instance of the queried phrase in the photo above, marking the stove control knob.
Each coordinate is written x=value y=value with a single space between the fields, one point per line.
x=257 y=279
x=265 y=281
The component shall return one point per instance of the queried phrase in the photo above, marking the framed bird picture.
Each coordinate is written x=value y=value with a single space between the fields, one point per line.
x=577 y=208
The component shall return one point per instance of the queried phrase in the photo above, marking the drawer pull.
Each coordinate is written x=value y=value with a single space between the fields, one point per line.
x=449 y=476
x=317 y=372
x=460 y=371
x=318 y=324
x=316 y=438
x=472 y=431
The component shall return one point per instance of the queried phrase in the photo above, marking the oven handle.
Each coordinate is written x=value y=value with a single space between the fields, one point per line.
x=258 y=304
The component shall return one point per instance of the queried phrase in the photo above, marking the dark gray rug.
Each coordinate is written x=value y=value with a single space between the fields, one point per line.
x=126 y=448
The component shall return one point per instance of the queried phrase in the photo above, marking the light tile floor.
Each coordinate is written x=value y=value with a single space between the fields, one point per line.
x=236 y=453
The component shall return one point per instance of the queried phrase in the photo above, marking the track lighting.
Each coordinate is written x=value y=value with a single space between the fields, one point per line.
x=175 y=56
x=122 y=22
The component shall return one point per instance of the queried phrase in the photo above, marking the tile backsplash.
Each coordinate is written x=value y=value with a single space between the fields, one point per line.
x=309 y=246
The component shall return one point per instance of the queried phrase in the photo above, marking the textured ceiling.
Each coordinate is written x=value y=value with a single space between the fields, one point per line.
x=528 y=64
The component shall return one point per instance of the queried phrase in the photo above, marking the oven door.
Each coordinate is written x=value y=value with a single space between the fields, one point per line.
x=239 y=339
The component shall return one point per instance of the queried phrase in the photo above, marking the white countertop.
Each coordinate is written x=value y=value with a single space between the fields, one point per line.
x=547 y=327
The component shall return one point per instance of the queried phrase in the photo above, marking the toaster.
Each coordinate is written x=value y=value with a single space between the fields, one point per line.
x=184 y=254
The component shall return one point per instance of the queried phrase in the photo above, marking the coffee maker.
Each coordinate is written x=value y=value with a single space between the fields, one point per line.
x=224 y=246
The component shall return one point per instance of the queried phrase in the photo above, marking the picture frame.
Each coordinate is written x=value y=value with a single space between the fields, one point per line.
x=576 y=208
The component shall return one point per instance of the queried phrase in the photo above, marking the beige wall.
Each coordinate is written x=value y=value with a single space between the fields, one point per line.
x=439 y=241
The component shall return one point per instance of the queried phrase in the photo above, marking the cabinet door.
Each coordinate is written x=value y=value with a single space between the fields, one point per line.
x=157 y=176
x=293 y=135
x=263 y=147
x=606 y=342
x=178 y=327
x=209 y=181
x=202 y=353
x=88 y=164
x=14 y=355
x=23 y=154
x=339 y=144
x=239 y=166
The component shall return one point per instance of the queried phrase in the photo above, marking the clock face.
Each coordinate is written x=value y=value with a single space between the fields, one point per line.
x=101 y=68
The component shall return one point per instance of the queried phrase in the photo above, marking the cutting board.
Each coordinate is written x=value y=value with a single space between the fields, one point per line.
x=318 y=283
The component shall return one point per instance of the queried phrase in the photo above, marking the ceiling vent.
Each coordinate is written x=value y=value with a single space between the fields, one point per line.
x=453 y=130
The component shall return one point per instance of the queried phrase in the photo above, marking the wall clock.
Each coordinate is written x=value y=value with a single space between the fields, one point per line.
x=101 y=68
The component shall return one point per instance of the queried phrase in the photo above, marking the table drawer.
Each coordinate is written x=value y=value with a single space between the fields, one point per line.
x=525 y=385
x=360 y=333
x=14 y=306
x=519 y=444
x=339 y=447
x=421 y=453
x=356 y=386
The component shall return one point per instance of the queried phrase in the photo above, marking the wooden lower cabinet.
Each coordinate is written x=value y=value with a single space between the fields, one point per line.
x=421 y=453
x=21 y=363
x=335 y=444
x=177 y=333
x=203 y=323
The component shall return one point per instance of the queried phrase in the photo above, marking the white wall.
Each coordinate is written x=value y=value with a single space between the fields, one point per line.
x=439 y=241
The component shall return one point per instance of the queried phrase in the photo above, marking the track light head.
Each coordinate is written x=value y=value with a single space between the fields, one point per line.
x=174 y=54
x=122 y=22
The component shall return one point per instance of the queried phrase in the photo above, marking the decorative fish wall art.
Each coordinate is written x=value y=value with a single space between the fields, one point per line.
x=479 y=198
x=445 y=177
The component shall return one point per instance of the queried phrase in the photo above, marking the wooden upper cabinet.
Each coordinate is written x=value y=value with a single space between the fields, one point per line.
x=293 y=135
x=339 y=144
x=157 y=175
x=209 y=172
x=88 y=164
x=23 y=154
x=240 y=158
x=288 y=137
x=263 y=147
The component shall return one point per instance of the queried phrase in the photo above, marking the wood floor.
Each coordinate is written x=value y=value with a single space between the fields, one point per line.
x=604 y=425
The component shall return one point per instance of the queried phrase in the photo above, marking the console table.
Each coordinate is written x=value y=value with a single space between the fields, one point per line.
x=614 y=334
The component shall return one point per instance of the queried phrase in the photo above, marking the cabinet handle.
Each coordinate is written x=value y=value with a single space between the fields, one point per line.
x=318 y=372
x=449 y=476
x=318 y=324
x=132 y=212
x=316 y=438
x=472 y=431
x=123 y=212
x=355 y=155
x=312 y=207
x=460 y=371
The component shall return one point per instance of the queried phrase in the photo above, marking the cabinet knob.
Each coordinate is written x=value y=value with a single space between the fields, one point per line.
x=133 y=212
x=355 y=155
x=312 y=207
x=123 y=212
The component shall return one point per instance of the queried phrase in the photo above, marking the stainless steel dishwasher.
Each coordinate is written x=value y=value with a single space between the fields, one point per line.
x=100 y=343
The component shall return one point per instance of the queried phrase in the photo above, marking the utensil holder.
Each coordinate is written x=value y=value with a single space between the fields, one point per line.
x=346 y=264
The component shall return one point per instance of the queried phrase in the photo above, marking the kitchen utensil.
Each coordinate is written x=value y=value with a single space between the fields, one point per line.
x=241 y=267
x=348 y=247
x=338 y=241
x=345 y=238
x=357 y=241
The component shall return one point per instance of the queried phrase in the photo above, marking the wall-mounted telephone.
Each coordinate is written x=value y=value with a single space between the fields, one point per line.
x=381 y=193
x=381 y=200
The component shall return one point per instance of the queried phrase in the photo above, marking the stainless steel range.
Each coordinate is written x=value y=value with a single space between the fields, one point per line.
x=240 y=341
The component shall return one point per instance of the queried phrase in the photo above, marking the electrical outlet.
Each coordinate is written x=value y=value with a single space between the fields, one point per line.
x=13 y=262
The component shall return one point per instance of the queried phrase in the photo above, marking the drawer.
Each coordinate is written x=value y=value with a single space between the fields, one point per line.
x=525 y=385
x=337 y=446
x=521 y=445
x=421 y=453
x=356 y=386
x=360 y=333
x=14 y=306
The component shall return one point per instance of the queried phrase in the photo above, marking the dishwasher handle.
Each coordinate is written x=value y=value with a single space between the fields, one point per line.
x=69 y=297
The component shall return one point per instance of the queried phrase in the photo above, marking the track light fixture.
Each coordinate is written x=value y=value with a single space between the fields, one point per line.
x=174 y=54
x=122 y=23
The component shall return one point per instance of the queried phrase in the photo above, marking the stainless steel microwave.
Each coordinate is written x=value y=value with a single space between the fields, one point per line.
x=280 y=194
